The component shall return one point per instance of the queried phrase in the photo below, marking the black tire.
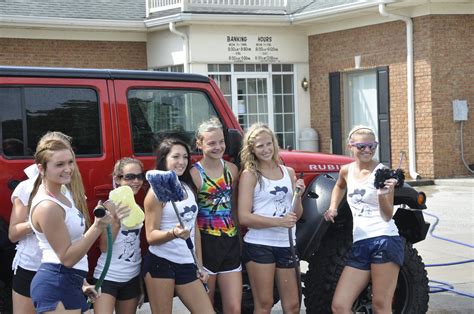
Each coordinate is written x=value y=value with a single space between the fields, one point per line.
x=325 y=267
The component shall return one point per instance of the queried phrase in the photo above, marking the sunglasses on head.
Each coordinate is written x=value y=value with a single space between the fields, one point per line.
x=133 y=176
x=363 y=146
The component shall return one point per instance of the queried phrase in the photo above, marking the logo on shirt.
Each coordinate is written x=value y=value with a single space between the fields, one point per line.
x=362 y=209
x=279 y=200
x=188 y=216
x=128 y=253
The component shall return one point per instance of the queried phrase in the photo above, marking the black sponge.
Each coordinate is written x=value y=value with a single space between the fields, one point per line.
x=384 y=174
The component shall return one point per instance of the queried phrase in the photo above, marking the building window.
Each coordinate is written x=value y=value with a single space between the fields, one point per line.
x=260 y=93
x=172 y=68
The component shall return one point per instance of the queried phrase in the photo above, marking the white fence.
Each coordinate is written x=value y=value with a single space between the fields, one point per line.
x=217 y=5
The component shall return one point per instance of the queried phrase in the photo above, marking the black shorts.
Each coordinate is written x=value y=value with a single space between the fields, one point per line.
x=220 y=254
x=121 y=290
x=264 y=254
x=22 y=280
x=162 y=268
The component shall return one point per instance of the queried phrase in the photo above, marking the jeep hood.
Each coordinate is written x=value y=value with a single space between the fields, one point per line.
x=308 y=162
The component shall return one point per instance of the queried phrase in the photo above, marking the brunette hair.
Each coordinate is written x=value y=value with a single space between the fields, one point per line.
x=164 y=148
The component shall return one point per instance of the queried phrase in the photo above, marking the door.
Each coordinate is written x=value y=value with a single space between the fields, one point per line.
x=250 y=99
x=361 y=105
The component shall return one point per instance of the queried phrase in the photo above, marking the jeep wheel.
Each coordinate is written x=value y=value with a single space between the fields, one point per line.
x=325 y=267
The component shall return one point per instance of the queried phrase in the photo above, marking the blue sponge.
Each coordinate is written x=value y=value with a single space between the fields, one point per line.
x=166 y=185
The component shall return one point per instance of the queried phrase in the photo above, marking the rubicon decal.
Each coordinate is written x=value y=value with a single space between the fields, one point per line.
x=324 y=167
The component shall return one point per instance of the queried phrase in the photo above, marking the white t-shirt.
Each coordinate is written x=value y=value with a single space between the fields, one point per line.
x=176 y=250
x=75 y=224
x=28 y=253
x=364 y=203
x=126 y=257
x=272 y=199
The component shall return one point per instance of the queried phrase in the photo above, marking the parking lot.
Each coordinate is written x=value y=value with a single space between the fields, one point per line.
x=453 y=202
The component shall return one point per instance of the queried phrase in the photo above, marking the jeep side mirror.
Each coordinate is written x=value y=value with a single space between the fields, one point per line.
x=233 y=143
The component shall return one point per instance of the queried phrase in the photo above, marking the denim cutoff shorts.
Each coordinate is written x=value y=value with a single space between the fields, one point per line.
x=377 y=250
x=54 y=283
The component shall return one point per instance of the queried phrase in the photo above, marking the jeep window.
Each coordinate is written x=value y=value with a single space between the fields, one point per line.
x=155 y=114
x=26 y=113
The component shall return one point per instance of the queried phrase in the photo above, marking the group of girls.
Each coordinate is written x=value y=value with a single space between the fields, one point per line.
x=52 y=206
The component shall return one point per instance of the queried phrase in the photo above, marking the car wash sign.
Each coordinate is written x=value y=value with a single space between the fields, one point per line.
x=252 y=49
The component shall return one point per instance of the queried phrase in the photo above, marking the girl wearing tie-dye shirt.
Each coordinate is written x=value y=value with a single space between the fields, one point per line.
x=215 y=180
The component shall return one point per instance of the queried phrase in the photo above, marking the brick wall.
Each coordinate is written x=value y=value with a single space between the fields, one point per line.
x=73 y=53
x=453 y=78
x=385 y=45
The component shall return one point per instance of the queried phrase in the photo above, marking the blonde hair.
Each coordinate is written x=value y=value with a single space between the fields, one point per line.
x=249 y=161
x=360 y=130
x=207 y=126
x=56 y=141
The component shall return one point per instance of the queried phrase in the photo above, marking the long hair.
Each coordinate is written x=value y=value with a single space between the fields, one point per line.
x=162 y=152
x=249 y=161
x=49 y=143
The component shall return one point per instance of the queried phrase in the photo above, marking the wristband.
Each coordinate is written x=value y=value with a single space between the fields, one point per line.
x=174 y=234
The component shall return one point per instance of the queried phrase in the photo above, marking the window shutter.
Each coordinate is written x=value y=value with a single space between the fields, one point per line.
x=383 y=102
x=335 y=111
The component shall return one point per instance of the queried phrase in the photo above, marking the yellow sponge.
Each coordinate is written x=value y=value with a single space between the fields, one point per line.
x=124 y=195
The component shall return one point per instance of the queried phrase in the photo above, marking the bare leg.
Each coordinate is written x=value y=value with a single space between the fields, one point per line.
x=288 y=289
x=384 y=283
x=160 y=294
x=261 y=280
x=22 y=304
x=105 y=304
x=61 y=310
x=126 y=306
x=230 y=285
x=194 y=297
x=350 y=285
x=211 y=284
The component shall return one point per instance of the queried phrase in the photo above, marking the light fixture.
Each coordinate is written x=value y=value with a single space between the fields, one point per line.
x=305 y=84
x=357 y=62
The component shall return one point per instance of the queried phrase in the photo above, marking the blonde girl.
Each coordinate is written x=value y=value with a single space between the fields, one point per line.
x=265 y=193
x=28 y=254
x=377 y=252
x=59 y=220
x=215 y=180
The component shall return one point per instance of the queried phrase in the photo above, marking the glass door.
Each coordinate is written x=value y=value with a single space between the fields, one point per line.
x=251 y=101
x=362 y=101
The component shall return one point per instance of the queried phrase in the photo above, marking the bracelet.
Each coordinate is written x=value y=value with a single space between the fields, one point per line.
x=174 y=234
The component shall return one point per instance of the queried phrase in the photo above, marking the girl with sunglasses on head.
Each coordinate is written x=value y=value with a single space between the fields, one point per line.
x=122 y=289
x=60 y=220
x=215 y=180
x=265 y=196
x=377 y=252
x=169 y=267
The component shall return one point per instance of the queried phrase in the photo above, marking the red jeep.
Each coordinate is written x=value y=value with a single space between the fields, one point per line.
x=116 y=113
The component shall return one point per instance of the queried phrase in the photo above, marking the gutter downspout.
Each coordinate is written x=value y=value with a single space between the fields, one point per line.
x=410 y=89
x=172 y=26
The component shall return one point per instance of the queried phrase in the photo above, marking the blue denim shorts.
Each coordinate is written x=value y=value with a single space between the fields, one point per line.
x=265 y=254
x=54 y=283
x=378 y=250
x=162 y=268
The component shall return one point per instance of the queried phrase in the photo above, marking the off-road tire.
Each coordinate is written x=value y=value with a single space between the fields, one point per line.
x=325 y=268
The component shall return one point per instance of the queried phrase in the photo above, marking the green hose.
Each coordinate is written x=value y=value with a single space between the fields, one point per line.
x=108 y=258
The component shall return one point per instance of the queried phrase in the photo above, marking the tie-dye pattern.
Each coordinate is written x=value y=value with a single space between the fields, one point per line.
x=215 y=204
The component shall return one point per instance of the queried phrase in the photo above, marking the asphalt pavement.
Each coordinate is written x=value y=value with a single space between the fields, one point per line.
x=452 y=201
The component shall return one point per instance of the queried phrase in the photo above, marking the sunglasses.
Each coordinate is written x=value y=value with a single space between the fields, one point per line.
x=133 y=176
x=362 y=146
